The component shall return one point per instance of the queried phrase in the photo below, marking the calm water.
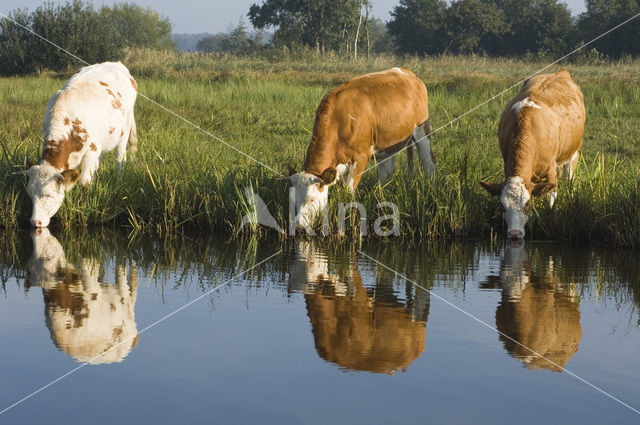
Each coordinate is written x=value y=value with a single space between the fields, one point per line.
x=317 y=334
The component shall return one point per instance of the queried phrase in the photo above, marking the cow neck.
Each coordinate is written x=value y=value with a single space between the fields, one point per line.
x=520 y=161
x=322 y=151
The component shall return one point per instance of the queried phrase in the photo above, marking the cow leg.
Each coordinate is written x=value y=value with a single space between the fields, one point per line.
x=359 y=165
x=121 y=154
x=553 y=178
x=348 y=176
x=573 y=164
x=133 y=138
x=410 y=158
x=386 y=167
x=90 y=164
x=423 y=143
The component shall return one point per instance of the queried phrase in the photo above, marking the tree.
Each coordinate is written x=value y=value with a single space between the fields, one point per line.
x=235 y=41
x=380 y=38
x=602 y=15
x=533 y=26
x=320 y=24
x=76 y=27
x=417 y=26
x=470 y=24
x=139 y=26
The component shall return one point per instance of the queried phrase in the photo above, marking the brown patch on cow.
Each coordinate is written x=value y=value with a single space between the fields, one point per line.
x=122 y=300
x=112 y=306
x=56 y=152
x=379 y=95
x=103 y=83
x=94 y=296
x=93 y=147
x=66 y=121
x=115 y=102
x=135 y=341
x=121 y=133
x=111 y=130
x=133 y=83
x=117 y=332
x=67 y=297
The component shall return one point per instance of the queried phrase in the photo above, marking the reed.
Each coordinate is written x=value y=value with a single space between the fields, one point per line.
x=184 y=180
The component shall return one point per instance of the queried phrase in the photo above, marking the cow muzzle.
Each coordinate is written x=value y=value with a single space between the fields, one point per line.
x=515 y=234
x=39 y=223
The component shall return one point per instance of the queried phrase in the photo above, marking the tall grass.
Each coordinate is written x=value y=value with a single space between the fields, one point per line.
x=183 y=179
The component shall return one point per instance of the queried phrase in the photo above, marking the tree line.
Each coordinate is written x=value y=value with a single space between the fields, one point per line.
x=491 y=27
x=418 y=27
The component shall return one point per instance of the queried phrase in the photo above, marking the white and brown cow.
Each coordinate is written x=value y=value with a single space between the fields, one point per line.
x=89 y=320
x=540 y=130
x=373 y=114
x=90 y=115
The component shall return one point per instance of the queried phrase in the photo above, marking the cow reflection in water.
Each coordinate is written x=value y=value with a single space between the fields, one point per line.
x=86 y=318
x=358 y=328
x=537 y=311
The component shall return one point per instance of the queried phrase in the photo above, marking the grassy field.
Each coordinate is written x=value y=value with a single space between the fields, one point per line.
x=184 y=180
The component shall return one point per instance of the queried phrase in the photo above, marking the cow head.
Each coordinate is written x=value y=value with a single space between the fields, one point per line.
x=311 y=193
x=46 y=188
x=516 y=197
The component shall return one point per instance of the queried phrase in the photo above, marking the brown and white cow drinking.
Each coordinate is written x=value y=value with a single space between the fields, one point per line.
x=540 y=131
x=374 y=114
x=90 y=115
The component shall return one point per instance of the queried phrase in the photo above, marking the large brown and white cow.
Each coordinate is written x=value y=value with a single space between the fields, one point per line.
x=374 y=114
x=540 y=131
x=90 y=115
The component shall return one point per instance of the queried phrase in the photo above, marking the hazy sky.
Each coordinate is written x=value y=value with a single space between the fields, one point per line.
x=194 y=16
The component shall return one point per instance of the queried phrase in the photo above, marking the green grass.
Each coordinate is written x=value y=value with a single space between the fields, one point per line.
x=184 y=180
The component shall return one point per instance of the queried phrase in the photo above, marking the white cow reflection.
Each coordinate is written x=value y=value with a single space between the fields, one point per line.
x=538 y=311
x=89 y=320
x=353 y=327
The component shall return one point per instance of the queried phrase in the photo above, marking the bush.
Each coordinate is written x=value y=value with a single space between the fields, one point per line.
x=91 y=35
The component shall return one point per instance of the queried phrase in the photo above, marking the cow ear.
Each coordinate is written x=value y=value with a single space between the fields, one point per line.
x=328 y=176
x=68 y=178
x=494 y=189
x=292 y=170
x=541 y=189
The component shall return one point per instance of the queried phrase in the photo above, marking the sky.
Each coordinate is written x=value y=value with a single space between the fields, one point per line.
x=197 y=16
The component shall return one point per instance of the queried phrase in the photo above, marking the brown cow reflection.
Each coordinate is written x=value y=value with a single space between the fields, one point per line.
x=537 y=311
x=358 y=328
x=89 y=320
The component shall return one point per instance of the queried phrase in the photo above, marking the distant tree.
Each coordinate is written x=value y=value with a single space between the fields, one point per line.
x=602 y=15
x=533 y=26
x=236 y=41
x=470 y=24
x=75 y=26
x=320 y=24
x=380 y=38
x=418 y=26
x=139 y=26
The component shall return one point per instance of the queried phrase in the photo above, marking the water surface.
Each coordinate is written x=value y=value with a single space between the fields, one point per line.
x=319 y=333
